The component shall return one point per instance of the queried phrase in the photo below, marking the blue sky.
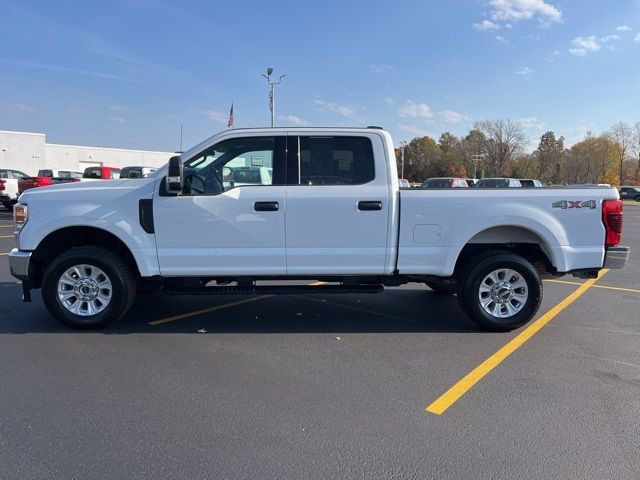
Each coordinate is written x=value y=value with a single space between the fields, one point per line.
x=128 y=73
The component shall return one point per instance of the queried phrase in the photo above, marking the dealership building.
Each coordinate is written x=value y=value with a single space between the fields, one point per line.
x=30 y=152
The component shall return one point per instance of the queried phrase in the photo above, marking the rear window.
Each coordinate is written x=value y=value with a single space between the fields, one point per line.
x=336 y=161
x=437 y=183
x=45 y=173
x=114 y=173
x=493 y=183
x=92 y=172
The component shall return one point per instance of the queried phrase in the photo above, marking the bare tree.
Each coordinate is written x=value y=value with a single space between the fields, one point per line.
x=504 y=140
x=621 y=135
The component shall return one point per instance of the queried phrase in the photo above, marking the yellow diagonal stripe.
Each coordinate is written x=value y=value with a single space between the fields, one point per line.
x=474 y=376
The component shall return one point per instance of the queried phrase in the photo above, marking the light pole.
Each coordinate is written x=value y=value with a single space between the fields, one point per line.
x=476 y=158
x=272 y=96
x=403 y=145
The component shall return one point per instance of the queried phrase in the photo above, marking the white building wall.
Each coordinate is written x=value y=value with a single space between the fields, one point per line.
x=22 y=151
x=29 y=152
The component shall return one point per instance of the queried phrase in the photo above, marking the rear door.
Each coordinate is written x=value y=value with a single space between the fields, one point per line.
x=337 y=205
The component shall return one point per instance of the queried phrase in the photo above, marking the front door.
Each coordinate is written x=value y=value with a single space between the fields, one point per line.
x=229 y=220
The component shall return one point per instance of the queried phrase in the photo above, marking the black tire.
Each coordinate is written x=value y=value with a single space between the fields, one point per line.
x=476 y=274
x=123 y=286
x=444 y=288
x=637 y=198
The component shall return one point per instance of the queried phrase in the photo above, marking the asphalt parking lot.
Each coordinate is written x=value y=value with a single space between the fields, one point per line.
x=341 y=386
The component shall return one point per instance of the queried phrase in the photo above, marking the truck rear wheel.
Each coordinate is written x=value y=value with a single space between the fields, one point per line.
x=88 y=287
x=501 y=292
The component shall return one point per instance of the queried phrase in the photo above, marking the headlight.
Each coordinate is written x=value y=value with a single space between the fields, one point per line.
x=20 y=217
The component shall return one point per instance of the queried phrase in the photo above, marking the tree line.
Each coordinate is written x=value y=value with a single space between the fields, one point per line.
x=497 y=149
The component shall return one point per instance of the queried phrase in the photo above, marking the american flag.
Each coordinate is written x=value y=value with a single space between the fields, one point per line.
x=230 y=122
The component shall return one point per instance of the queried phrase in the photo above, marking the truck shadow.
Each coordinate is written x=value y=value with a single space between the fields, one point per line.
x=393 y=311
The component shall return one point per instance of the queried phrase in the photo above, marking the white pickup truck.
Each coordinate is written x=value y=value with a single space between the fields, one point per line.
x=331 y=210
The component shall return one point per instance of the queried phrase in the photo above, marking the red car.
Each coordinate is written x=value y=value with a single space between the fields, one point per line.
x=26 y=183
x=100 y=173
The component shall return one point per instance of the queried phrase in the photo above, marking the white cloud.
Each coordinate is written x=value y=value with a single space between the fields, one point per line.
x=486 y=26
x=116 y=119
x=415 y=110
x=610 y=38
x=17 y=107
x=389 y=101
x=518 y=10
x=524 y=71
x=584 y=45
x=348 y=111
x=532 y=123
x=216 y=116
x=623 y=28
x=415 y=130
x=294 y=119
x=501 y=39
x=382 y=68
x=637 y=38
x=449 y=116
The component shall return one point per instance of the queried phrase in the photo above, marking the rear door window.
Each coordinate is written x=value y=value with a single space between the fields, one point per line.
x=335 y=161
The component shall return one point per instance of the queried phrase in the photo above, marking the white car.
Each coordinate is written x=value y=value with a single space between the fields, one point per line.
x=331 y=210
x=10 y=191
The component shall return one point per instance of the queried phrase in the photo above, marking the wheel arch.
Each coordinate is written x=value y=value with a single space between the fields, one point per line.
x=69 y=237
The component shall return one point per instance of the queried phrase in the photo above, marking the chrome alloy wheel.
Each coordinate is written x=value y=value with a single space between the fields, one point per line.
x=84 y=290
x=503 y=293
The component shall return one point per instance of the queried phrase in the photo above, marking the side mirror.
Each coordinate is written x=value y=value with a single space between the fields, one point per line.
x=175 y=176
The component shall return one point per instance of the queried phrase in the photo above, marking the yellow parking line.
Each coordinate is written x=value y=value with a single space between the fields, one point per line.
x=634 y=290
x=6 y=236
x=6 y=226
x=4 y=253
x=442 y=403
x=207 y=310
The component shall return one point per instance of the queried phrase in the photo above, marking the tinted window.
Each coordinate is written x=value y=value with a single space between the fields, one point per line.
x=493 y=183
x=64 y=174
x=92 y=172
x=527 y=183
x=336 y=161
x=233 y=163
x=17 y=174
x=437 y=183
x=4 y=174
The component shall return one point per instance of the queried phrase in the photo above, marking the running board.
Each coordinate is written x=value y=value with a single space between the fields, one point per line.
x=272 y=289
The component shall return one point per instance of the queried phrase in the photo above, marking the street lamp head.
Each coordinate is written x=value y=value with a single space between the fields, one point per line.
x=269 y=71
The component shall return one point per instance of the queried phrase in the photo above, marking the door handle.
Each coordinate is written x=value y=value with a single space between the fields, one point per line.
x=266 y=206
x=367 y=205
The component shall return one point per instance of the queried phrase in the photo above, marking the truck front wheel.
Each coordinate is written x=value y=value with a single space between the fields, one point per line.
x=88 y=287
x=501 y=292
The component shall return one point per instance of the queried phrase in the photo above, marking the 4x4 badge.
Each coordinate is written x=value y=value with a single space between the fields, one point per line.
x=564 y=204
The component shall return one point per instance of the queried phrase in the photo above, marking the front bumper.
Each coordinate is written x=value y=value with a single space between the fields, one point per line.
x=19 y=264
x=616 y=257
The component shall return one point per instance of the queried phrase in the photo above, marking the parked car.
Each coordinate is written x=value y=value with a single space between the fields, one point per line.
x=630 y=193
x=346 y=221
x=472 y=182
x=100 y=173
x=10 y=178
x=404 y=183
x=136 y=172
x=4 y=198
x=444 y=182
x=530 y=183
x=27 y=183
x=498 y=183
x=59 y=173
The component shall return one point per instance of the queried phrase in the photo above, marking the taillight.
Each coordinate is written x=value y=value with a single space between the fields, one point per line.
x=612 y=221
x=43 y=181
x=1 y=185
